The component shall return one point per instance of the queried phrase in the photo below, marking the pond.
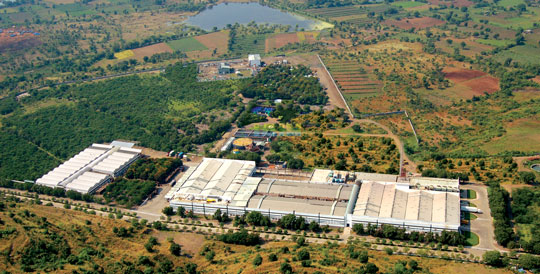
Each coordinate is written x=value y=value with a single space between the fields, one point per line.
x=536 y=167
x=243 y=13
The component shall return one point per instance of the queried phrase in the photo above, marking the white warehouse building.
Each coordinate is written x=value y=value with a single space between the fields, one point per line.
x=417 y=204
x=92 y=167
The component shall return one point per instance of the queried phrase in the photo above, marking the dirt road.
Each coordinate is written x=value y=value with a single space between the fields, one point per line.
x=334 y=96
x=337 y=100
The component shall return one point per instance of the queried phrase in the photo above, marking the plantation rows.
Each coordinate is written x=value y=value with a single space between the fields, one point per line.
x=352 y=78
x=336 y=12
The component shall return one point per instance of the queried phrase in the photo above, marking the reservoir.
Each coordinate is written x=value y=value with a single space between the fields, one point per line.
x=230 y=13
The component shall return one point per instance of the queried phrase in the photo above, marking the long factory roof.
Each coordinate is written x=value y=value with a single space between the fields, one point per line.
x=379 y=197
x=394 y=201
x=90 y=167
x=214 y=178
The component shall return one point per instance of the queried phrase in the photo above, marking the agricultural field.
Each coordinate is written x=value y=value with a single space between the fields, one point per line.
x=124 y=54
x=416 y=23
x=277 y=41
x=408 y=4
x=354 y=79
x=140 y=53
x=186 y=45
x=248 y=43
x=216 y=41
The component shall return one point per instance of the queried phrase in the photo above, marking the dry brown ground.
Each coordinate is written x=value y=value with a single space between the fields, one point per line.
x=458 y=75
x=418 y=23
x=140 y=53
x=477 y=81
x=483 y=84
x=191 y=242
x=216 y=40
x=280 y=40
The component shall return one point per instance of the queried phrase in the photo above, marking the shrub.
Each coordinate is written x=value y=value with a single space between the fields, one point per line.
x=258 y=260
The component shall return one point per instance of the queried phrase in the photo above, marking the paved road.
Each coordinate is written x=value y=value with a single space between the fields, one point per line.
x=483 y=225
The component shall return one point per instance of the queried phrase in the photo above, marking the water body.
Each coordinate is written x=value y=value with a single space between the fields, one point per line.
x=536 y=167
x=243 y=13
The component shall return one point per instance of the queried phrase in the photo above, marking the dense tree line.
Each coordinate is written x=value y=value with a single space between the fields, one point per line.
x=16 y=153
x=525 y=203
x=443 y=173
x=286 y=82
x=498 y=203
x=241 y=237
x=128 y=193
x=153 y=169
x=397 y=233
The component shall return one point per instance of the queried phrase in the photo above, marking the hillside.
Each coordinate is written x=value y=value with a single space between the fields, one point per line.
x=43 y=238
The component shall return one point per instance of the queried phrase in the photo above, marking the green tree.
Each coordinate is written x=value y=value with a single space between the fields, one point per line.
x=168 y=211
x=493 y=258
x=175 y=249
x=258 y=260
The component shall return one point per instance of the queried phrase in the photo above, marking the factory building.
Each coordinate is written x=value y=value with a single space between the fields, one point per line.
x=233 y=187
x=254 y=60
x=92 y=168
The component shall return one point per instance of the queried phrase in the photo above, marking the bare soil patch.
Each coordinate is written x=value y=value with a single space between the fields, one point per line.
x=216 y=40
x=280 y=40
x=536 y=79
x=11 y=40
x=483 y=84
x=191 y=242
x=418 y=23
x=458 y=75
x=151 y=50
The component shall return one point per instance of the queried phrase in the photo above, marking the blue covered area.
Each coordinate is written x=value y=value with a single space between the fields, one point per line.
x=262 y=110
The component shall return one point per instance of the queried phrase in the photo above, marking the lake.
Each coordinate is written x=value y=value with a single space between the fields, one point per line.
x=230 y=13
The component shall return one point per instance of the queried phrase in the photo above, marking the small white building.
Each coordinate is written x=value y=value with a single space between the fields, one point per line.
x=254 y=60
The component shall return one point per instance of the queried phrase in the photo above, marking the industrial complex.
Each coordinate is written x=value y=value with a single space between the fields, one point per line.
x=416 y=204
x=92 y=168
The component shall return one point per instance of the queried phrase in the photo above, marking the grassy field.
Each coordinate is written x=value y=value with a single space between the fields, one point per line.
x=408 y=4
x=245 y=44
x=494 y=42
x=522 y=133
x=526 y=54
x=186 y=44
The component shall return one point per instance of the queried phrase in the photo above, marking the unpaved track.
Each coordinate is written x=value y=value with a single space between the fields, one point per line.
x=337 y=100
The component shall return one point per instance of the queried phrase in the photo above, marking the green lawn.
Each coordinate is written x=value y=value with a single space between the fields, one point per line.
x=186 y=44
x=469 y=216
x=471 y=239
x=471 y=194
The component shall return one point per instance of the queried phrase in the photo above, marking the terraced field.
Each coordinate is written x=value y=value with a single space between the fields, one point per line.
x=351 y=14
x=354 y=79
